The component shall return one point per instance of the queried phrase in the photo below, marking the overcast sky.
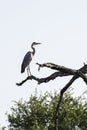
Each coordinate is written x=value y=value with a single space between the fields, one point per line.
x=61 y=27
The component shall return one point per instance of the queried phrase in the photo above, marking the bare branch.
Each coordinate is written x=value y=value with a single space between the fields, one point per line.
x=57 y=67
x=62 y=71
x=43 y=80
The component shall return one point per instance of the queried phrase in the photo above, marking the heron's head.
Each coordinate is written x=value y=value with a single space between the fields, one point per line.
x=35 y=43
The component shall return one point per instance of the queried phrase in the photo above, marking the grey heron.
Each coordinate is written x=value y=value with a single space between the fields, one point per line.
x=28 y=58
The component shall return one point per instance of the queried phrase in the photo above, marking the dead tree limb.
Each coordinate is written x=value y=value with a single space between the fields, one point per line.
x=43 y=80
x=61 y=71
x=57 y=67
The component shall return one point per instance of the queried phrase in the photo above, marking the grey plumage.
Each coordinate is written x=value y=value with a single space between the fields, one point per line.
x=26 y=61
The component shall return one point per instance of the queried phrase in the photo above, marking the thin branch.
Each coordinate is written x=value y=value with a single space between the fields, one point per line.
x=43 y=80
x=28 y=78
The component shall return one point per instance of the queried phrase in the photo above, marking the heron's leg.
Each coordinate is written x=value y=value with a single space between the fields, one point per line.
x=28 y=71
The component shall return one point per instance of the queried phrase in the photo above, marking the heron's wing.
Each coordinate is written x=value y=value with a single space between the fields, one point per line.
x=26 y=61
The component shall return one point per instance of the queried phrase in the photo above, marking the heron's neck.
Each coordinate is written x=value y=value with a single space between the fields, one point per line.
x=33 y=52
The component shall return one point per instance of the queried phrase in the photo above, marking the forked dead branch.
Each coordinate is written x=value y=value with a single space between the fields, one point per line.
x=60 y=72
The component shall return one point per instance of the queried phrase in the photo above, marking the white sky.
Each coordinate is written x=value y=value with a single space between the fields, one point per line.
x=61 y=27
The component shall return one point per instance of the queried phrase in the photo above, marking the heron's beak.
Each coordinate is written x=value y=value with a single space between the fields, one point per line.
x=37 y=43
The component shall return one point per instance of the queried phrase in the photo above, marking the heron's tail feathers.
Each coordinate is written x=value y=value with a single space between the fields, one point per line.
x=22 y=68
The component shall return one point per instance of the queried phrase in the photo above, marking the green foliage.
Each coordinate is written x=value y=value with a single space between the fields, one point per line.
x=2 y=128
x=38 y=113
